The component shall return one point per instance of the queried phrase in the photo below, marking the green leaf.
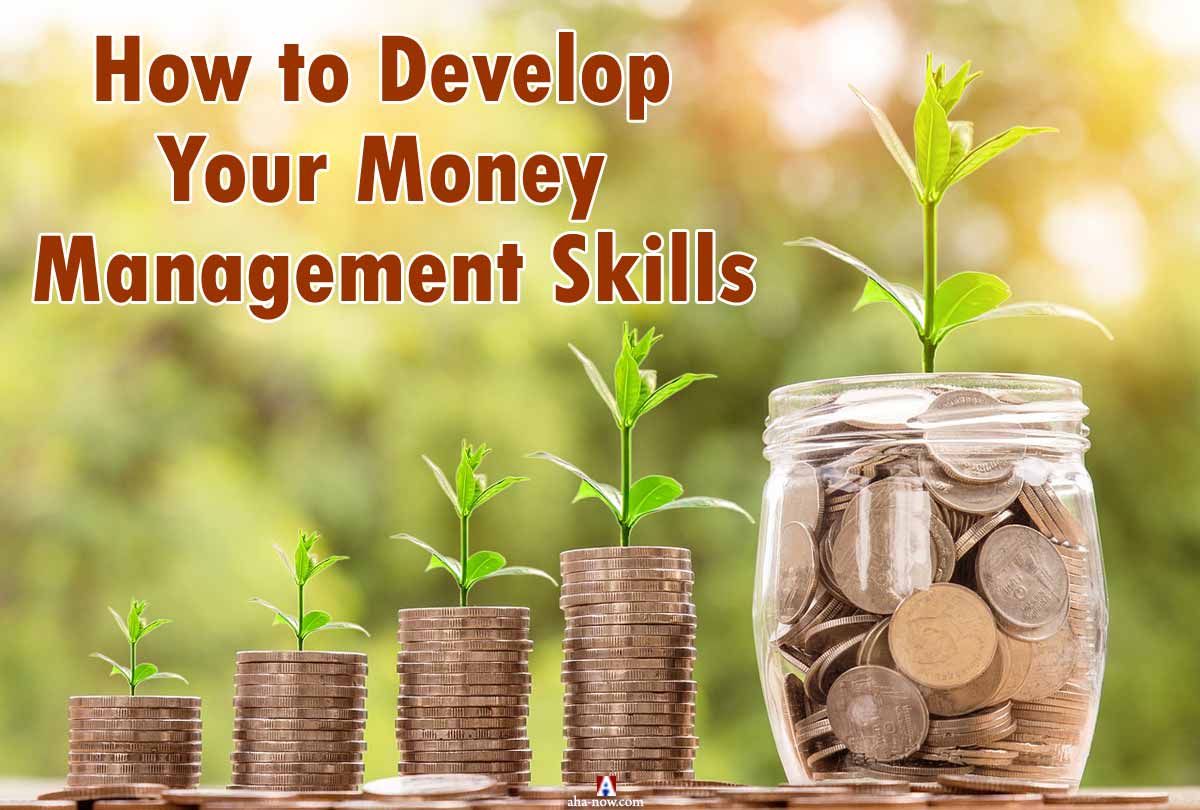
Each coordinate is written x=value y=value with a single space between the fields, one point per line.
x=142 y=672
x=313 y=620
x=134 y=622
x=668 y=390
x=702 y=502
x=482 y=563
x=894 y=292
x=449 y=563
x=333 y=559
x=518 y=571
x=580 y=474
x=892 y=141
x=597 y=380
x=495 y=489
x=1036 y=309
x=464 y=478
x=639 y=348
x=287 y=562
x=443 y=483
x=162 y=675
x=874 y=294
x=650 y=493
x=964 y=296
x=991 y=148
x=949 y=93
x=280 y=616
x=931 y=131
x=120 y=623
x=152 y=626
x=628 y=384
x=342 y=626
x=117 y=669
x=962 y=135
x=607 y=493
x=303 y=562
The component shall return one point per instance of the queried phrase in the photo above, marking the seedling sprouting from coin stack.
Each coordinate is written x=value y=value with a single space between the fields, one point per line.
x=930 y=601
x=299 y=715
x=631 y=624
x=134 y=738
x=464 y=671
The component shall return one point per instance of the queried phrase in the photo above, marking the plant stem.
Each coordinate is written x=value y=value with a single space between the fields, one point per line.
x=464 y=551
x=132 y=666
x=929 y=230
x=626 y=476
x=300 y=617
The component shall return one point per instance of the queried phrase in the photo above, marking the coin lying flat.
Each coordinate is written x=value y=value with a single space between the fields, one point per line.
x=975 y=783
x=303 y=657
x=129 y=790
x=440 y=786
x=624 y=552
x=943 y=637
x=974 y=499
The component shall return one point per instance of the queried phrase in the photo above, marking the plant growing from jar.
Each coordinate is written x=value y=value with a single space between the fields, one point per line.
x=302 y=565
x=945 y=156
x=634 y=394
x=134 y=628
x=469 y=492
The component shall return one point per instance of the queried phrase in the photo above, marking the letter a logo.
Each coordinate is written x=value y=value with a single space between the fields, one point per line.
x=606 y=786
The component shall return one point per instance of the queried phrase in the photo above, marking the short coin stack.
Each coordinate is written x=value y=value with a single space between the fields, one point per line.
x=298 y=720
x=464 y=692
x=119 y=739
x=629 y=653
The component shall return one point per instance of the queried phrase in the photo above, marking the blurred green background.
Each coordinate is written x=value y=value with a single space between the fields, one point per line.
x=159 y=451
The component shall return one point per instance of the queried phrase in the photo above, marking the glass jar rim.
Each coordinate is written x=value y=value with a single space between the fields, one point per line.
x=1007 y=381
x=1029 y=409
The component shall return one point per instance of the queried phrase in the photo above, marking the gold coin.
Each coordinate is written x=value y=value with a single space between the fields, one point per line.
x=296 y=713
x=464 y=613
x=299 y=668
x=138 y=702
x=942 y=637
x=301 y=657
x=412 y=701
x=480 y=645
x=623 y=552
x=592 y=574
x=975 y=783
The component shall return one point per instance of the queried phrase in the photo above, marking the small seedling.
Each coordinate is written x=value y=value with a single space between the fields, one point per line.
x=945 y=156
x=469 y=492
x=636 y=394
x=135 y=628
x=302 y=566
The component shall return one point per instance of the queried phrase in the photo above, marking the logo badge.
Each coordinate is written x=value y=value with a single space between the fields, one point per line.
x=606 y=786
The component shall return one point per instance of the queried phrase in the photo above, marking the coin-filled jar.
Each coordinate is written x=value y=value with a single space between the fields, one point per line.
x=929 y=596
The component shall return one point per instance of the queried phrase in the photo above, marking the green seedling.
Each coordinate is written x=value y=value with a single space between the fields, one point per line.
x=945 y=156
x=636 y=394
x=135 y=628
x=469 y=492
x=302 y=566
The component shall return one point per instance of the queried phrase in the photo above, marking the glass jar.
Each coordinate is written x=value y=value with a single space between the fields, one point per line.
x=930 y=596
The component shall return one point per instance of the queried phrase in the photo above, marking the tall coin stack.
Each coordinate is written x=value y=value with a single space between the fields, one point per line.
x=117 y=739
x=298 y=720
x=464 y=691
x=629 y=653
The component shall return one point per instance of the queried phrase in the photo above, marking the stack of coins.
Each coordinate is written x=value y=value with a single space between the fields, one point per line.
x=299 y=719
x=464 y=692
x=629 y=652
x=134 y=739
